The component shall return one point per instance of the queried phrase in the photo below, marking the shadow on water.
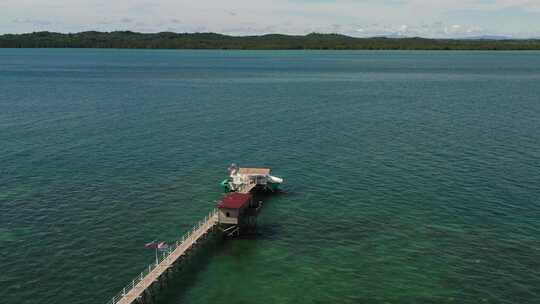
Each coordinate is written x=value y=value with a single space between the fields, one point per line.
x=264 y=195
x=268 y=231
x=187 y=270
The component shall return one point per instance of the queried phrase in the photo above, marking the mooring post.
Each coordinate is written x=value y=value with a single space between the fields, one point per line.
x=162 y=282
x=153 y=297
x=146 y=296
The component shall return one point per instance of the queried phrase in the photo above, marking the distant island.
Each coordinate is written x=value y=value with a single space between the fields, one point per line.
x=314 y=41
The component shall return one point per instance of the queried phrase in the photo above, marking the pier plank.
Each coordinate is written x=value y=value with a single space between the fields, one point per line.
x=144 y=284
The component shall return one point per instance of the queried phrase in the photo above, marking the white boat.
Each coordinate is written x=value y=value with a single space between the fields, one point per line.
x=246 y=179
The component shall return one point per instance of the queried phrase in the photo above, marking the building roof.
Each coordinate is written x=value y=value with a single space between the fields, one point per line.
x=254 y=171
x=234 y=200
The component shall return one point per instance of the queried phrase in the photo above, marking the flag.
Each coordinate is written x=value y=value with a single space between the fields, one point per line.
x=162 y=246
x=232 y=169
x=152 y=245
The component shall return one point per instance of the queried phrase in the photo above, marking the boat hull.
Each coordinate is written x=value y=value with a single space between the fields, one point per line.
x=273 y=186
x=225 y=185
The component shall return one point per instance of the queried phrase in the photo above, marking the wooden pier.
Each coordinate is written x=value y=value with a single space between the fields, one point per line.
x=235 y=212
x=139 y=288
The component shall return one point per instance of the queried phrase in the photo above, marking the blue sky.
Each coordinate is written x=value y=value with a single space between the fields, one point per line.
x=362 y=18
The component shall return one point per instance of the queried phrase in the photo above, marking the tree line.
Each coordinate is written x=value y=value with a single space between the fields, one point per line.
x=314 y=41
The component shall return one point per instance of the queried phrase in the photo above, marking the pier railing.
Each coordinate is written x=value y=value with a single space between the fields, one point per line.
x=188 y=238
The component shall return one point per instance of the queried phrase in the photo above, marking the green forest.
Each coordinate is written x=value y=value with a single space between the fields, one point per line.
x=314 y=41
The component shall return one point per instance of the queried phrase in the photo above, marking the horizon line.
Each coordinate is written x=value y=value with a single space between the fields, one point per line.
x=386 y=36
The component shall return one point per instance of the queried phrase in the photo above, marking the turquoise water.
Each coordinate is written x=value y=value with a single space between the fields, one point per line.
x=411 y=177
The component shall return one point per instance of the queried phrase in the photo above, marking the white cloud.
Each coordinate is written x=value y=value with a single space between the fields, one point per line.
x=432 y=18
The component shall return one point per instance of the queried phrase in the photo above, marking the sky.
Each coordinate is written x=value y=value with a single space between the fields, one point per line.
x=359 y=18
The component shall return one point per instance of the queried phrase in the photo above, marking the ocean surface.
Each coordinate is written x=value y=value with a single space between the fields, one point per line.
x=410 y=177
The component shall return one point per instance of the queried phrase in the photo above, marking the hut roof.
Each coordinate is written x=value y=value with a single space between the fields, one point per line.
x=254 y=171
x=235 y=200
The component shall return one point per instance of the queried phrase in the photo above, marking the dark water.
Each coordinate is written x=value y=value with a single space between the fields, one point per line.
x=411 y=177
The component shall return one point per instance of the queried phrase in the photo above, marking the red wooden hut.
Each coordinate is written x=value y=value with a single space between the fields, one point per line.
x=232 y=207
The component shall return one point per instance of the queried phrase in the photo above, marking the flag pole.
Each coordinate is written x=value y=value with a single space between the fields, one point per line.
x=156 y=256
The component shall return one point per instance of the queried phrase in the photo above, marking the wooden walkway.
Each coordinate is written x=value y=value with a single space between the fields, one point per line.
x=136 y=289
x=246 y=188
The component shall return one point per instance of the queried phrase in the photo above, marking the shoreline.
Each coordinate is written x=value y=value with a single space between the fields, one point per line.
x=213 y=41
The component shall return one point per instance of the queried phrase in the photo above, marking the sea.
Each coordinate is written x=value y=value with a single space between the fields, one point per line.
x=410 y=177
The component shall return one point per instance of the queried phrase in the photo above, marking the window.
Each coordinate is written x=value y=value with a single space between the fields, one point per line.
x=227 y=214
